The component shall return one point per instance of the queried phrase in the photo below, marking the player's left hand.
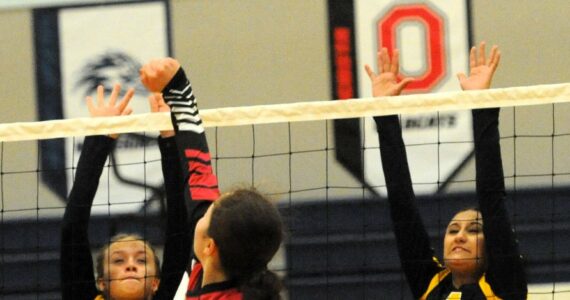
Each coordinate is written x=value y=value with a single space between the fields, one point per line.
x=481 y=69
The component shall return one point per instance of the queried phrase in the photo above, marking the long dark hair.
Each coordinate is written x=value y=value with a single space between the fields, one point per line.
x=467 y=208
x=248 y=230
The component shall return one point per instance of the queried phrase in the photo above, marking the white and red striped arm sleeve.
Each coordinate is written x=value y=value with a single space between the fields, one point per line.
x=191 y=140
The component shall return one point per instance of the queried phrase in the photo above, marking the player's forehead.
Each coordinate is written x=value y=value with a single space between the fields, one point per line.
x=129 y=246
x=467 y=216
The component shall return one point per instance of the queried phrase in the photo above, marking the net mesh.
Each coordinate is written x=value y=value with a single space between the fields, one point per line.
x=340 y=241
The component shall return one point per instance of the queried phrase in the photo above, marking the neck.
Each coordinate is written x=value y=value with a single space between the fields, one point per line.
x=212 y=274
x=459 y=279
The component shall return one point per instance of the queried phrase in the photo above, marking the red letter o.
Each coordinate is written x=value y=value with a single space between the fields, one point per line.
x=434 y=25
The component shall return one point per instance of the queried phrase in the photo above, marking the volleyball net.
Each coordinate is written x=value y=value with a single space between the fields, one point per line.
x=340 y=235
x=295 y=112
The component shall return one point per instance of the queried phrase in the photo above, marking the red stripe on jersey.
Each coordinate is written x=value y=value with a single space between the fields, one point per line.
x=202 y=182
x=203 y=179
x=203 y=186
x=194 y=153
x=194 y=276
x=201 y=193
x=231 y=294
x=199 y=167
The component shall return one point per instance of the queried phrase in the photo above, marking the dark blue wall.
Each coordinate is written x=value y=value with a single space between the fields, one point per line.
x=342 y=249
x=346 y=249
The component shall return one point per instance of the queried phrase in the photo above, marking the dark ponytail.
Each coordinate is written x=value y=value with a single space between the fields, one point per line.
x=264 y=285
x=248 y=231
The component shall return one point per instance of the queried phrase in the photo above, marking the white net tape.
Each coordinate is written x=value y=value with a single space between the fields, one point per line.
x=294 y=112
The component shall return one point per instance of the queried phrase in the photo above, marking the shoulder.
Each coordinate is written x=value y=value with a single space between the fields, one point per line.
x=195 y=278
x=437 y=281
x=486 y=288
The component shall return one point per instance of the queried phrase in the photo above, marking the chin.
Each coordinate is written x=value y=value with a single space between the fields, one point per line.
x=464 y=265
x=129 y=290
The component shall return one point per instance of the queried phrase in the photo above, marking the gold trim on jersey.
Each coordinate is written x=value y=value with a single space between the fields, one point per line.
x=486 y=289
x=437 y=278
x=454 y=296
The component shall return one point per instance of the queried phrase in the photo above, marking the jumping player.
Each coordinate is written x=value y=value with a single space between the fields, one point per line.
x=128 y=267
x=235 y=234
x=481 y=255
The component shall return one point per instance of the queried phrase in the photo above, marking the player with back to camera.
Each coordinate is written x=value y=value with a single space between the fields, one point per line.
x=480 y=251
x=235 y=234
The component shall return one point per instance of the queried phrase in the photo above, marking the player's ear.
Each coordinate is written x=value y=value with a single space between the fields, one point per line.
x=211 y=247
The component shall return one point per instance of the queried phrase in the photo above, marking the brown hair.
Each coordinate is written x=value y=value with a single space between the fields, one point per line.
x=248 y=230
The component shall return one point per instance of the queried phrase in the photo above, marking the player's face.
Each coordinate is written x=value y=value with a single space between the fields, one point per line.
x=130 y=271
x=464 y=243
x=201 y=237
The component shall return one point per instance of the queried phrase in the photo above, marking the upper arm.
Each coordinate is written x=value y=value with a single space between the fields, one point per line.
x=505 y=269
x=413 y=242
x=77 y=276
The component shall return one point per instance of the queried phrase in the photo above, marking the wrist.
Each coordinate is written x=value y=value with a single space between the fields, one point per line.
x=179 y=80
x=167 y=134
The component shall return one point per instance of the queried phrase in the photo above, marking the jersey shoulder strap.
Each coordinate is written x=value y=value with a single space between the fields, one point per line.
x=436 y=279
x=486 y=289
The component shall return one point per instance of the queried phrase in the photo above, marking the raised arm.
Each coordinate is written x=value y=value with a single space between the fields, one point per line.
x=177 y=244
x=505 y=271
x=77 y=279
x=416 y=254
x=166 y=76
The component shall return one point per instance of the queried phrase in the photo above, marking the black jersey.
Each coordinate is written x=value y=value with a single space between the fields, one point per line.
x=505 y=276
x=77 y=276
x=202 y=184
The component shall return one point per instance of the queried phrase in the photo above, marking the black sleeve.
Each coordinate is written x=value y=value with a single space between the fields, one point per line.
x=177 y=240
x=77 y=278
x=201 y=185
x=416 y=254
x=505 y=272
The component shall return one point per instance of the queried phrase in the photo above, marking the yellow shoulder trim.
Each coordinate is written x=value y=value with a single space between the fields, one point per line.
x=436 y=279
x=99 y=297
x=486 y=289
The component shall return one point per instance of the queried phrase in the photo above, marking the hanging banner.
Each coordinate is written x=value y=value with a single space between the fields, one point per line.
x=101 y=45
x=19 y=4
x=433 y=40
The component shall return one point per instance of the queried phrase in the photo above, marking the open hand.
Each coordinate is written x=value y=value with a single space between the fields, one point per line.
x=100 y=108
x=111 y=108
x=385 y=83
x=481 y=69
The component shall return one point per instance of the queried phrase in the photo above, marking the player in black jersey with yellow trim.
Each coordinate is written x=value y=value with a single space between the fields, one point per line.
x=481 y=255
x=128 y=267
